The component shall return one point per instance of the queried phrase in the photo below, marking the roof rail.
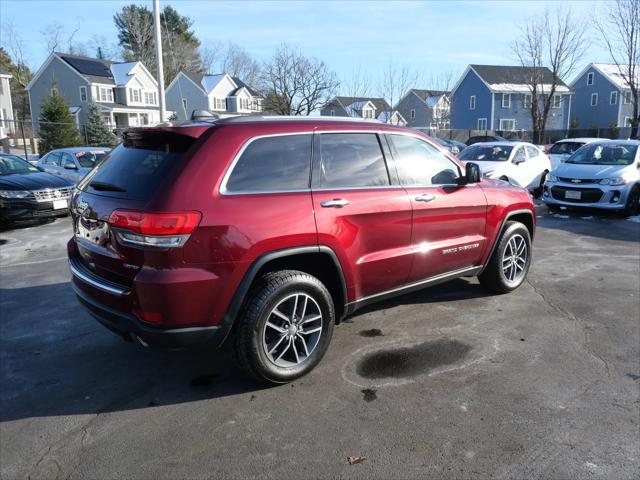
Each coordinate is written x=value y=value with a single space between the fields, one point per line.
x=284 y=118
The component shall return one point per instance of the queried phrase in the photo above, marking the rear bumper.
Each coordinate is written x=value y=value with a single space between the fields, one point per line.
x=132 y=329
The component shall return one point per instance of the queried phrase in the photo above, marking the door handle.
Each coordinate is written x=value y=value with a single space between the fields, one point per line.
x=425 y=197
x=335 y=203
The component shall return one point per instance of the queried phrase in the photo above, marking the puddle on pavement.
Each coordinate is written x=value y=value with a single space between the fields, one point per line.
x=373 y=332
x=410 y=361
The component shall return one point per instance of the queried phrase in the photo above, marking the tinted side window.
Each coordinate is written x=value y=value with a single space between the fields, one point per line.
x=273 y=164
x=350 y=160
x=519 y=155
x=420 y=163
x=532 y=152
x=53 y=159
x=67 y=159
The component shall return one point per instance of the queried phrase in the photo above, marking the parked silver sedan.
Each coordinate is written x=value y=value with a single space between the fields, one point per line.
x=72 y=163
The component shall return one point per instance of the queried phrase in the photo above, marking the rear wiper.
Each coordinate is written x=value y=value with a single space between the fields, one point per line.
x=110 y=187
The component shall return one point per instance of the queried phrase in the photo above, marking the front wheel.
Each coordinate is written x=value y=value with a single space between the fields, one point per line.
x=632 y=207
x=285 y=327
x=510 y=262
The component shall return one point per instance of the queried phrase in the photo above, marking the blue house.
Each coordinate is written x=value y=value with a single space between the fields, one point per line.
x=492 y=97
x=601 y=98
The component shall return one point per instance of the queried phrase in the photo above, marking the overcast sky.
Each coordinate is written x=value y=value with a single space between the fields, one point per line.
x=432 y=37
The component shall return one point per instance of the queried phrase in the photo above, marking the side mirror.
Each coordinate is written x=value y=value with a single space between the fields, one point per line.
x=472 y=173
x=39 y=168
x=70 y=166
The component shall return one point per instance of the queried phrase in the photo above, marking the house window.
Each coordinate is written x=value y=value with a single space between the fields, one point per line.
x=590 y=78
x=332 y=113
x=472 y=102
x=627 y=97
x=144 y=118
x=105 y=94
x=506 y=100
x=184 y=105
x=54 y=90
x=219 y=103
x=627 y=121
x=482 y=124
x=507 y=124
x=556 y=101
x=413 y=113
x=135 y=95
x=526 y=102
x=83 y=94
x=367 y=113
x=594 y=99
x=613 y=98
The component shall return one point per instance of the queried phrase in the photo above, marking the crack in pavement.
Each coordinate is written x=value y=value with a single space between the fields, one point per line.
x=586 y=341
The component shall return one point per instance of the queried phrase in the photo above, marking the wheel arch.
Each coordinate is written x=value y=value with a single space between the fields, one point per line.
x=524 y=216
x=319 y=261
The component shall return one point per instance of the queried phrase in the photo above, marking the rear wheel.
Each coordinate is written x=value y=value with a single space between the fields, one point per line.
x=510 y=262
x=285 y=327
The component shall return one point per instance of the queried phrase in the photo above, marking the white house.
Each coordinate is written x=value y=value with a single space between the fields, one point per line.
x=219 y=93
x=126 y=92
x=6 y=109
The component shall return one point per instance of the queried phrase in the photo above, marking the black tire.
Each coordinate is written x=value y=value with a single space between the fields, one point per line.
x=537 y=192
x=553 y=207
x=493 y=277
x=250 y=337
x=632 y=206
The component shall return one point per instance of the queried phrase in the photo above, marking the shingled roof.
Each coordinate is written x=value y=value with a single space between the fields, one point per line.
x=380 y=103
x=505 y=77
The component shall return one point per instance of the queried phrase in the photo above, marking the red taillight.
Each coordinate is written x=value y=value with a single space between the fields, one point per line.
x=145 y=223
x=149 y=317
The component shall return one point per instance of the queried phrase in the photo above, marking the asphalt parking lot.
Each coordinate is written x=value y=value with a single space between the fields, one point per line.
x=447 y=382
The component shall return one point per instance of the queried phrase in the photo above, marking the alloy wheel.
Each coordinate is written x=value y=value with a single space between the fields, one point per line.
x=514 y=259
x=292 y=330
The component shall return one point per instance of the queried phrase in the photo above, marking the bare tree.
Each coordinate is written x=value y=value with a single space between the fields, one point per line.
x=396 y=82
x=296 y=85
x=357 y=84
x=16 y=64
x=620 y=30
x=442 y=82
x=58 y=39
x=553 y=41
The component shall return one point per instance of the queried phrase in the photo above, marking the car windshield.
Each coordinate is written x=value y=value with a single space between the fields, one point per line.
x=89 y=159
x=486 y=153
x=605 y=154
x=565 y=148
x=11 y=165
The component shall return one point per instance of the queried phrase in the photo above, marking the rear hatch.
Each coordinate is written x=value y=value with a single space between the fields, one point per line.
x=127 y=180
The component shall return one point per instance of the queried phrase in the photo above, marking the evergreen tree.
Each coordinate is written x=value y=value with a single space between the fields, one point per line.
x=57 y=125
x=97 y=131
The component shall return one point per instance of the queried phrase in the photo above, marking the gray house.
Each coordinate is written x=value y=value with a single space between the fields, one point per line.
x=425 y=108
x=601 y=98
x=221 y=93
x=6 y=109
x=126 y=92
x=363 y=107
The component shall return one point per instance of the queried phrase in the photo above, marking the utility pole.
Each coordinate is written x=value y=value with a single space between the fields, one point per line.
x=158 y=39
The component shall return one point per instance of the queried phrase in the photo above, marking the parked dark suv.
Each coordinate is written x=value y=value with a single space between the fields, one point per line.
x=268 y=231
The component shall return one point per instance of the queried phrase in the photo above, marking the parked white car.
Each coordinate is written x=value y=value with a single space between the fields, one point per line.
x=563 y=149
x=519 y=163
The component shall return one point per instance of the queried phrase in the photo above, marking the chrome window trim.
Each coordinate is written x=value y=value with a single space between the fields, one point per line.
x=223 y=185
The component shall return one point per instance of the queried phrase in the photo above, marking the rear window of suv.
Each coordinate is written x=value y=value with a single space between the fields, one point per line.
x=272 y=164
x=136 y=168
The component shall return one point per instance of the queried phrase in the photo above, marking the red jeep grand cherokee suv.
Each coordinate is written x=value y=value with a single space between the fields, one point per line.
x=268 y=231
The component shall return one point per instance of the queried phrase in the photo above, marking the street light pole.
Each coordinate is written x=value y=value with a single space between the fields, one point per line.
x=158 y=39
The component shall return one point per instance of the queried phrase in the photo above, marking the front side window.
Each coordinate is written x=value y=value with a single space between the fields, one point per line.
x=519 y=155
x=532 y=151
x=506 y=100
x=272 y=164
x=13 y=165
x=53 y=159
x=351 y=160
x=420 y=164
x=67 y=160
